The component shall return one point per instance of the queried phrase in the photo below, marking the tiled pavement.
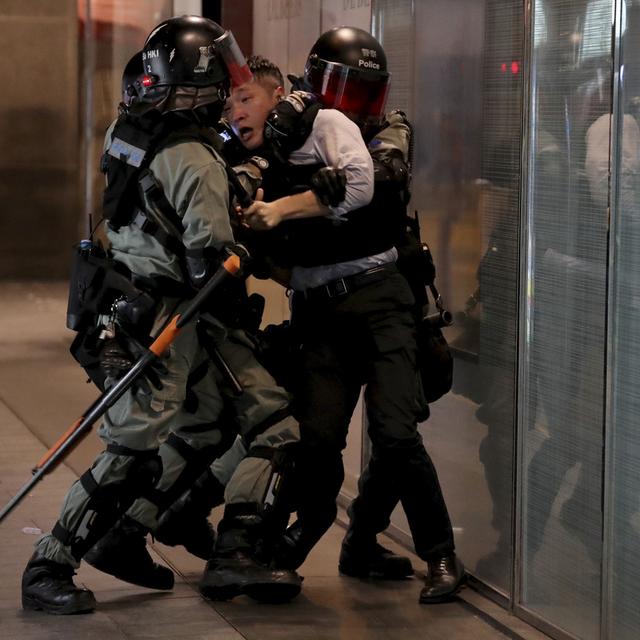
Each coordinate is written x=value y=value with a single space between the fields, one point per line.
x=41 y=392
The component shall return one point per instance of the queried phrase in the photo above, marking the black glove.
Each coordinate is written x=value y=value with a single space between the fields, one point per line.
x=330 y=186
x=118 y=355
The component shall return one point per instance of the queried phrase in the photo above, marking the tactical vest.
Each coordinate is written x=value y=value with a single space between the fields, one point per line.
x=137 y=137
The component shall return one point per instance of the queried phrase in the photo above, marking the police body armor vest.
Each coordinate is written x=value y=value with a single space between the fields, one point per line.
x=138 y=135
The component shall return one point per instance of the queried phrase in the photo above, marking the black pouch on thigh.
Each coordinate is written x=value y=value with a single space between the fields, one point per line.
x=99 y=286
x=435 y=362
x=102 y=286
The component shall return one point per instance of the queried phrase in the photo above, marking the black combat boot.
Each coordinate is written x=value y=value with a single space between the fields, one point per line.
x=186 y=522
x=368 y=559
x=445 y=575
x=123 y=553
x=296 y=544
x=236 y=570
x=48 y=586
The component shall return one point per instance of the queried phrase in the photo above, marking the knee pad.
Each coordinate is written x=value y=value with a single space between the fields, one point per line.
x=108 y=501
x=197 y=461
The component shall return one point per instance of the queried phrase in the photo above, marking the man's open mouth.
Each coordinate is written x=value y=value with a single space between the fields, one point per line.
x=245 y=133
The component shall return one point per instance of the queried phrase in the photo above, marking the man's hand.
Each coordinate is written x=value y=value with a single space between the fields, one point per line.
x=261 y=215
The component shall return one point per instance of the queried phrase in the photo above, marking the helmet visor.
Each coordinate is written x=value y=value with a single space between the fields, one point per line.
x=235 y=62
x=359 y=94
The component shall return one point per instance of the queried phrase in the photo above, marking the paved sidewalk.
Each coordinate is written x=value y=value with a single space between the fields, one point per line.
x=41 y=392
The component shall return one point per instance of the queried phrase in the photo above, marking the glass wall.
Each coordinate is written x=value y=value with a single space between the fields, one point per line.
x=566 y=304
x=461 y=84
x=623 y=505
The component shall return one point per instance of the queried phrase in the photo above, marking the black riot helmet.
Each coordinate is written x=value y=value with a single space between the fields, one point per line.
x=189 y=62
x=131 y=79
x=347 y=70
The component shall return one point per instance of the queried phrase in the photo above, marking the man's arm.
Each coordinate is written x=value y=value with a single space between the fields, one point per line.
x=335 y=141
x=266 y=215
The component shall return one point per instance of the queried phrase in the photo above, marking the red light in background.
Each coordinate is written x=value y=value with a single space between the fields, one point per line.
x=503 y=67
x=515 y=67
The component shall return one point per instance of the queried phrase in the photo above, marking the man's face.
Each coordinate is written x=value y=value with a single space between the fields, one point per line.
x=248 y=108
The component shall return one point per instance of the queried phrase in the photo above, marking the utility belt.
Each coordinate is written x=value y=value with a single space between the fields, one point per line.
x=348 y=284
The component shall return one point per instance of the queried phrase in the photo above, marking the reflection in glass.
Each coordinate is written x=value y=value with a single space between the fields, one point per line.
x=624 y=614
x=565 y=347
x=466 y=108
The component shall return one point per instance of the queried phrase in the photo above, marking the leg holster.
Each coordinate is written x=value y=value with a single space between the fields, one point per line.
x=279 y=498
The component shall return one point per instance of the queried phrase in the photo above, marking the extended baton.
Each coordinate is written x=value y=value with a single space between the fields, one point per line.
x=81 y=427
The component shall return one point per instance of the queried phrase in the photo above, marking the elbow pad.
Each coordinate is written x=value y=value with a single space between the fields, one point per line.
x=198 y=270
x=391 y=175
x=389 y=167
x=250 y=174
x=290 y=123
x=201 y=263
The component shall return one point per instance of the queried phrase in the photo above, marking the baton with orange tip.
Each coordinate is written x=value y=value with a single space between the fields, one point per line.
x=82 y=426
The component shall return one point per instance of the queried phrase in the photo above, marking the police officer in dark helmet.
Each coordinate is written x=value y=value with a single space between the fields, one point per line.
x=355 y=313
x=167 y=208
x=132 y=77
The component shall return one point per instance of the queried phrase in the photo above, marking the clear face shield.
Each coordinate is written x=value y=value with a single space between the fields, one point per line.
x=228 y=49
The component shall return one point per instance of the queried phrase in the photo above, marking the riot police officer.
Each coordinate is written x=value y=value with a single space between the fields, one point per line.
x=166 y=204
x=355 y=313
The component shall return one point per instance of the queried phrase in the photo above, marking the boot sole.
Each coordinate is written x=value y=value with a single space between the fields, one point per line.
x=159 y=586
x=29 y=603
x=220 y=593
x=262 y=592
x=272 y=593
x=165 y=584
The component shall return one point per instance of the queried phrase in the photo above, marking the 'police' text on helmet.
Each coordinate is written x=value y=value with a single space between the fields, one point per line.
x=347 y=70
